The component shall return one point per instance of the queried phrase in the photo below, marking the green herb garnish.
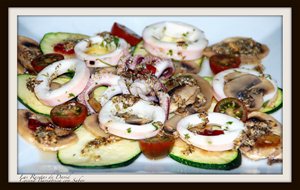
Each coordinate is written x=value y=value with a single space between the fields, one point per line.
x=129 y=130
x=187 y=136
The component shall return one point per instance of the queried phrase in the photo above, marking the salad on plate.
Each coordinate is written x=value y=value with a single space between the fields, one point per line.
x=100 y=101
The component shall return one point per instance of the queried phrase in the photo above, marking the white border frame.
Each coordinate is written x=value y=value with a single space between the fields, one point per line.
x=287 y=61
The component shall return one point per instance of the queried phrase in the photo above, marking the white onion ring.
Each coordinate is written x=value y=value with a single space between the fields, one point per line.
x=68 y=91
x=219 y=82
x=154 y=43
x=117 y=126
x=211 y=143
x=104 y=79
x=106 y=60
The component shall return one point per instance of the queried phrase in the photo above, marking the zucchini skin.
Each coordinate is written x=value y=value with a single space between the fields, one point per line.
x=277 y=107
x=31 y=109
x=228 y=166
x=122 y=164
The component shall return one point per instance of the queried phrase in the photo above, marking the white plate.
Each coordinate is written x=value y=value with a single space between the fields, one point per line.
x=265 y=29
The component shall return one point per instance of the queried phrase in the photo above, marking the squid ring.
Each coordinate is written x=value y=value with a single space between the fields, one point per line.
x=110 y=122
x=174 y=40
x=231 y=127
x=105 y=60
x=67 y=91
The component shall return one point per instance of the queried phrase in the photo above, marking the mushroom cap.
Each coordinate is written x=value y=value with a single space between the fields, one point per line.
x=28 y=49
x=248 y=88
x=28 y=134
x=245 y=58
x=190 y=92
x=91 y=123
x=263 y=152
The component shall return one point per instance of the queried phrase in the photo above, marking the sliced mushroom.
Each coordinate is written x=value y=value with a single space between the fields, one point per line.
x=239 y=84
x=189 y=89
x=265 y=86
x=91 y=124
x=28 y=134
x=134 y=119
x=54 y=85
x=248 y=88
x=94 y=104
x=28 y=49
x=234 y=75
x=187 y=67
x=171 y=124
x=250 y=51
x=21 y=69
x=268 y=143
x=183 y=95
x=276 y=127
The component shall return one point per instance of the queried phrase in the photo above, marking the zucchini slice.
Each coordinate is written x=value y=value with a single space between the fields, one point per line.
x=140 y=50
x=52 y=38
x=28 y=98
x=276 y=105
x=225 y=160
x=111 y=155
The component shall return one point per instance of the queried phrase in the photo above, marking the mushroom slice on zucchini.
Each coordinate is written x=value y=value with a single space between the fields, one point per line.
x=251 y=87
x=28 y=49
x=47 y=141
x=249 y=50
x=262 y=137
x=189 y=90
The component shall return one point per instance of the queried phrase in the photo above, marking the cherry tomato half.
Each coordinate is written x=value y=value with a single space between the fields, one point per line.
x=42 y=61
x=157 y=147
x=33 y=124
x=220 y=63
x=232 y=107
x=69 y=115
x=66 y=47
x=127 y=34
x=208 y=132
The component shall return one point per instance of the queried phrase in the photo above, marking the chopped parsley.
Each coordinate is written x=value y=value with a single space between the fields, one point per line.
x=185 y=34
x=129 y=130
x=116 y=41
x=170 y=52
x=155 y=126
x=187 y=136
x=71 y=95
x=229 y=122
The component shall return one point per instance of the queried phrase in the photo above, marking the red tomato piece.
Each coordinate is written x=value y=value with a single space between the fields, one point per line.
x=69 y=115
x=151 y=68
x=220 y=63
x=232 y=107
x=127 y=34
x=157 y=147
x=208 y=132
x=66 y=47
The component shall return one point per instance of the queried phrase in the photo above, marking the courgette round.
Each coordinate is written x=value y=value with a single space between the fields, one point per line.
x=116 y=154
x=196 y=157
x=29 y=99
